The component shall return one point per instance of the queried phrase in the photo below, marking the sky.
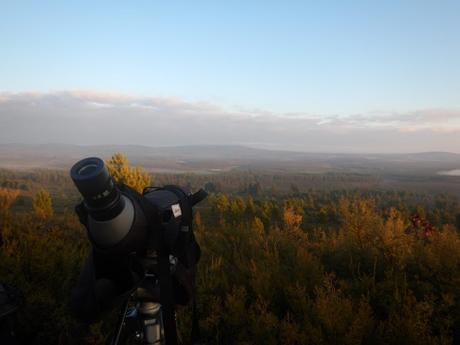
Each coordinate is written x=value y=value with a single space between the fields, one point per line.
x=304 y=75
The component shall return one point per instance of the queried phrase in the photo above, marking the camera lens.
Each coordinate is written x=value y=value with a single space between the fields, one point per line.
x=102 y=197
x=87 y=169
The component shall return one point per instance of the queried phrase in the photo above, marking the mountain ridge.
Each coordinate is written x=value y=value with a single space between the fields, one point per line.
x=222 y=158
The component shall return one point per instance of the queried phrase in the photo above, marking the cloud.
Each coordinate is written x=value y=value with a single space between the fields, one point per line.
x=86 y=117
x=435 y=119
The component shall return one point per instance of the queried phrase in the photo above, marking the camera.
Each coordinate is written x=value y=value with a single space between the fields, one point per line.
x=118 y=218
x=143 y=245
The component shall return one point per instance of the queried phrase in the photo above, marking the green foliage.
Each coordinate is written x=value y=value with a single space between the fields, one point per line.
x=374 y=279
x=317 y=267
x=42 y=259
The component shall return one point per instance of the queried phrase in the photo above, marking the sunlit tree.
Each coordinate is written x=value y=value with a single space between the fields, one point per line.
x=134 y=177
x=42 y=205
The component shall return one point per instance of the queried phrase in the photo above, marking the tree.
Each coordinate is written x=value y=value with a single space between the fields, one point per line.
x=42 y=204
x=254 y=189
x=134 y=177
x=7 y=198
x=291 y=219
x=457 y=221
x=210 y=187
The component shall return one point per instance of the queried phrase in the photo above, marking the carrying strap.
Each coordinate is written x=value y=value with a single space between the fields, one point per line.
x=186 y=203
x=166 y=284
x=166 y=299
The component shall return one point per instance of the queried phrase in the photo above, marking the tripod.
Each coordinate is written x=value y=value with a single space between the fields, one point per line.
x=142 y=324
x=141 y=316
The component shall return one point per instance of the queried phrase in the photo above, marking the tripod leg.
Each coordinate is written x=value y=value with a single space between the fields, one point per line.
x=120 y=323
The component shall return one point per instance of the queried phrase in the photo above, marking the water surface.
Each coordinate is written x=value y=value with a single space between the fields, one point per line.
x=455 y=172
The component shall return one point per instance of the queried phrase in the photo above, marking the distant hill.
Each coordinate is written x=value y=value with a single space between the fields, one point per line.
x=212 y=158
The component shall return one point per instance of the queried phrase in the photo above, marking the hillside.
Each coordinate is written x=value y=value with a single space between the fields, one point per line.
x=211 y=158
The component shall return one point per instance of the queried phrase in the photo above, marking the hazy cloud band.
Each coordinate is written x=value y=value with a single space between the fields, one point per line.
x=83 y=117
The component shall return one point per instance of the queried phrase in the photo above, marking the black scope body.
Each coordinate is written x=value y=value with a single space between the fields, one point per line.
x=112 y=213
x=118 y=218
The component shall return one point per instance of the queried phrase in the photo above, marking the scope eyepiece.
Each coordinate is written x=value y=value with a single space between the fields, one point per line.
x=102 y=198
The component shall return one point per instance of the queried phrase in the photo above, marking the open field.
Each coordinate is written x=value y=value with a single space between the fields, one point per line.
x=411 y=172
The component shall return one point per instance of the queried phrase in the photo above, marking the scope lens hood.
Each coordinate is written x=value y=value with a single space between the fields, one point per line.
x=92 y=179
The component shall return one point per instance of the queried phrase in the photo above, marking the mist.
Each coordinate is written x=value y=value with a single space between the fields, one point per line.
x=98 y=118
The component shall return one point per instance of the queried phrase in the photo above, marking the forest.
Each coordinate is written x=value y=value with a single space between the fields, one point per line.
x=286 y=258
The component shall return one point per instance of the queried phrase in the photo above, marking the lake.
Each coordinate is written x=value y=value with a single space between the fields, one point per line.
x=455 y=172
